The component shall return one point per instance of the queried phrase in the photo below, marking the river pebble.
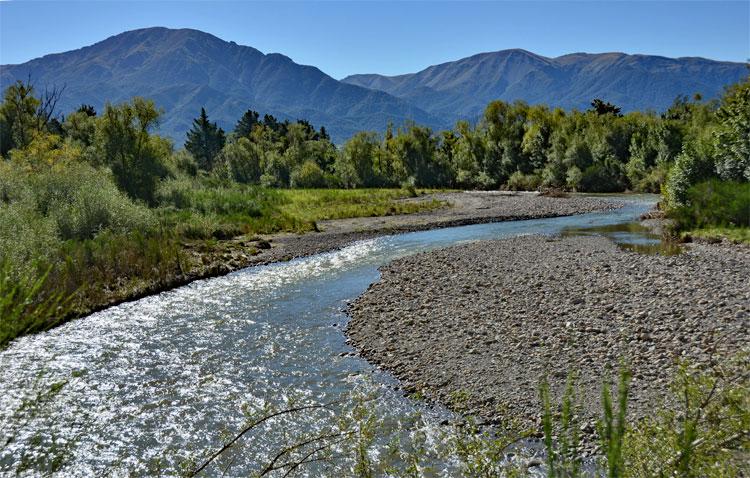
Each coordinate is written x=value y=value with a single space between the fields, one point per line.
x=488 y=320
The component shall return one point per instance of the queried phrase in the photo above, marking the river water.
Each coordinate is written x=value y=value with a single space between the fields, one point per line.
x=139 y=388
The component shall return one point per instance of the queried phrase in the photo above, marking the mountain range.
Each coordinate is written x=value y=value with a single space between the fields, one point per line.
x=183 y=70
x=633 y=82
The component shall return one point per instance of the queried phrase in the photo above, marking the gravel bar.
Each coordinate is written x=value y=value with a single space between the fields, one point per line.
x=489 y=319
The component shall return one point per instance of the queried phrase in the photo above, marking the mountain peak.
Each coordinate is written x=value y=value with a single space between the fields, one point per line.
x=185 y=69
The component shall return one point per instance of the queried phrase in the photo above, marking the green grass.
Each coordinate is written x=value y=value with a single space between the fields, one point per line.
x=737 y=235
x=322 y=204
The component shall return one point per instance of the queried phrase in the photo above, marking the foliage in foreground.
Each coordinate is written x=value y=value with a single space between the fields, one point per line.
x=22 y=308
x=702 y=430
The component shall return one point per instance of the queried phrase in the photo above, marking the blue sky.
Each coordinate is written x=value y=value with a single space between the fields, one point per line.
x=342 y=38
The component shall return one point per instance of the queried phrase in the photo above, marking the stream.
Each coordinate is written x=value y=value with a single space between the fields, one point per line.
x=137 y=389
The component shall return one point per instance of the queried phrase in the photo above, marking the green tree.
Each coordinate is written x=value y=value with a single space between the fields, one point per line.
x=415 y=149
x=308 y=175
x=204 y=141
x=243 y=160
x=80 y=127
x=18 y=116
x=601 y=107
x=124 y=142
x=732 y=137
x=245 y=125
x=354 y=166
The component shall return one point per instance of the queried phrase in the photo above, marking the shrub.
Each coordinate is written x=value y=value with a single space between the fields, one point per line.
x=26 y=237
x=83 y=201
x=523 y=182
x=599 y=178
x=693 y=165
x=732 y=137
x=715 y=203
x=308 y=175
x=243 y=161
x=703 y=433
x=269 y=181
x=184 y=162
x=653 y=180
x=573 y=178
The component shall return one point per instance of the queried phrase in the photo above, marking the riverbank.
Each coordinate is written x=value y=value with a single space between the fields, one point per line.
x=200 y=259
x=487 y=321
x=463 y=208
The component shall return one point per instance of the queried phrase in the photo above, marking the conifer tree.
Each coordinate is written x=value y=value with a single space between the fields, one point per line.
x=204 y=141
x=244 y=126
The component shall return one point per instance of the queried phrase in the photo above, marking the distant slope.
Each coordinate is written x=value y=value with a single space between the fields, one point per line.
x=462 y=88
x=183 y=70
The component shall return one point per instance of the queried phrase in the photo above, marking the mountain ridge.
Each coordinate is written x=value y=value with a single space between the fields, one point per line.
x=185 y=69
x=633 y=81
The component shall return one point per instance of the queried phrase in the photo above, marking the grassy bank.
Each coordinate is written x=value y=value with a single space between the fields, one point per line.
x=714 y=211
x=74 y=243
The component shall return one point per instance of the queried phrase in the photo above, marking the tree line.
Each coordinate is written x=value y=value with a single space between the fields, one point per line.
x=513 y=146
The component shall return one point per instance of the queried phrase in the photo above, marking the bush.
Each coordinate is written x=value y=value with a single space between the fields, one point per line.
x=598 y=178
x=732 y=137
x=703 y=433
x=71 y=200
x=26 y=237
x=308 y=175
x=693 y=165
x=523 y=182
x=715 y=203
x=83 y=201
x=653 y=180
x=243 y=160
x=269 y=181
x=185 y=163
x=573 y=178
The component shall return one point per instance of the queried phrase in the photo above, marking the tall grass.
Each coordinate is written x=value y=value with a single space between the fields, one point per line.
x=561 y=441
x=25 y=306
x=612 y=427
x=702 y=430
x=323 y=204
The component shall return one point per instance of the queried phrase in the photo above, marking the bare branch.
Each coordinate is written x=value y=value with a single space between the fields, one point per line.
x=47 y=104
x=250 y=427
x=305 y=459
x=272 y=465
